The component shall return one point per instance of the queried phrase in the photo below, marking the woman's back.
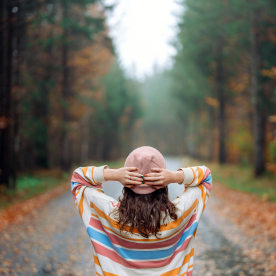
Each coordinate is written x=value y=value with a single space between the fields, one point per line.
x=127 y=252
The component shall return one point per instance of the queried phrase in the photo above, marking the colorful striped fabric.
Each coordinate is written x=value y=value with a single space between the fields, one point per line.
x=125 y=253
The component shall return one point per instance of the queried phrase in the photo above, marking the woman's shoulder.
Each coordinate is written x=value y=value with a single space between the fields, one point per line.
x=100 y=200
x=188 y=197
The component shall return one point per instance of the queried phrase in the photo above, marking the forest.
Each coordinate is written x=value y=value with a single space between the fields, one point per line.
x=221 y=88
x=65 y=98
x=226 y=51
x=68 y=104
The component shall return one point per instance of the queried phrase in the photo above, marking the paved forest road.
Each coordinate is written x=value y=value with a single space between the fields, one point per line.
x=54 y=241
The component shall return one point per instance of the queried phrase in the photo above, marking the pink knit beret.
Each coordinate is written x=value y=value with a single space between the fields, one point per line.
x=145 y=158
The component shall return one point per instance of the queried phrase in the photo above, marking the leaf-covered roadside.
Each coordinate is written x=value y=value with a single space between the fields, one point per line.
x=255 y=217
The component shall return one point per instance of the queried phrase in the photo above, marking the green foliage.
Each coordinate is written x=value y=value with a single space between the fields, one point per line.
x=157 y=100
x=241 y=178
x=29 y=186
x=53 y=29
x=36 y=182
x=114 y=114
x=162 y=127
x=242 y=141
x=272 y=150
x=214 y=37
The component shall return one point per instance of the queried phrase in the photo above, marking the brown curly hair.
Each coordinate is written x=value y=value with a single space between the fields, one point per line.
x=145 y=212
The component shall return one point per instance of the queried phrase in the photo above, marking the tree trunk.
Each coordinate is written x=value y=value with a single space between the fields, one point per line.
x=7 y=175
x=65 y=162
x=256 y=99
x=85 y=131
x=5 y=94
x=211 y=141
x=221 y=99
x=17 y=48
x=42 y=106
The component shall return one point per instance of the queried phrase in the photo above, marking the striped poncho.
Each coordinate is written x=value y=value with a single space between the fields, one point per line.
x=125 y=253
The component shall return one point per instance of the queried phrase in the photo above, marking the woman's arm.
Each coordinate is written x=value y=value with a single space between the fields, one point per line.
x=86 y=186
x=190 y=176
x=93 y=176
x=128 y=176
x=197 y=180
x=90 y=176
x=160 y=178
x=194 y=176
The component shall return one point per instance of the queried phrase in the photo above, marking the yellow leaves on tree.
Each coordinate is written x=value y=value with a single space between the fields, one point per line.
x=271 y=73
x=89 y=65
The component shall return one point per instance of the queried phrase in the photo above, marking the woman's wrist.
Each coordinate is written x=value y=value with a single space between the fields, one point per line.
x=109 y=174
x=175 y=177
x=179 y=176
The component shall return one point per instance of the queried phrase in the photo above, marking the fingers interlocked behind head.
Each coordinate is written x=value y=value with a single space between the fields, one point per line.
x=145 y=159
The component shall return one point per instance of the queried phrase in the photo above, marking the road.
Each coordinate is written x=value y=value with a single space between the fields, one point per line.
x=54 y=241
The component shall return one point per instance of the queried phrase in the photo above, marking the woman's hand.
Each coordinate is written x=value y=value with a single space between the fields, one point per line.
x=160 y=178
x=128 y=176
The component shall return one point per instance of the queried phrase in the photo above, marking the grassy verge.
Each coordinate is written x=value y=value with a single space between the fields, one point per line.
x=241 y=178
x=31 y=185
x=39 y=182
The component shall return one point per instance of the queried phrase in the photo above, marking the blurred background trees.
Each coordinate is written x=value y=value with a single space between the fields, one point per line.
x=65 y=97
x=224 y=75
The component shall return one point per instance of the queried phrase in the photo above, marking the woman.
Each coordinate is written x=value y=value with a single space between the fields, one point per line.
x=143 y=233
